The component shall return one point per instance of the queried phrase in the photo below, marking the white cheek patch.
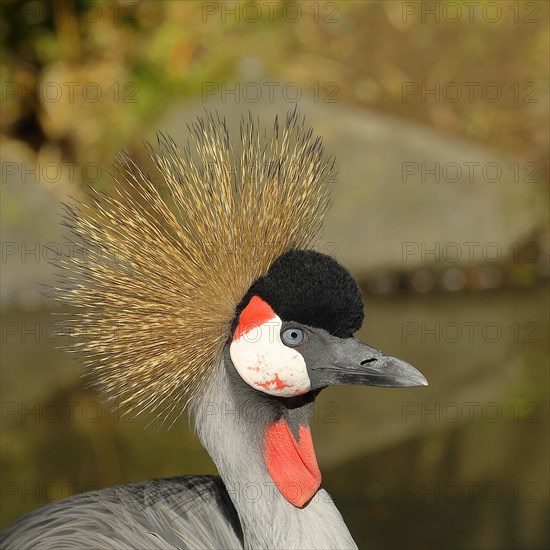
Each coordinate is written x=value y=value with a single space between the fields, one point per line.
x=266 y=364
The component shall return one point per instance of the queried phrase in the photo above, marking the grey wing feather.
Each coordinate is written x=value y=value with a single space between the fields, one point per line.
x=182 y=512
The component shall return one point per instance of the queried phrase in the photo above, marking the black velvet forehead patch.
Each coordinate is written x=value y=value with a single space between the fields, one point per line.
x=312 y=289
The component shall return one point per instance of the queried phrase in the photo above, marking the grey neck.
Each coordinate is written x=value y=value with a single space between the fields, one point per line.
x=231 y=429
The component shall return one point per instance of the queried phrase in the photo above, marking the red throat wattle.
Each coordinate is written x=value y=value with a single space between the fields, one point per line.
x=292 y=464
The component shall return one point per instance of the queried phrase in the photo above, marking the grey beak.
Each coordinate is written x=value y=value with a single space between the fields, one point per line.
x=357 y=363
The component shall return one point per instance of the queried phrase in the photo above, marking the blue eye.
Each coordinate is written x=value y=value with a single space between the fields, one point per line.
x=292 y=336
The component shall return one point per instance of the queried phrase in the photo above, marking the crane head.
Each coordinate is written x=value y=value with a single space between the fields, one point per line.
x=168 y=289
x=291 y=337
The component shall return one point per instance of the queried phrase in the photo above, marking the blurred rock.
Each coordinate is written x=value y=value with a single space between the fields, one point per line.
x=32 y=187
x=406 y=199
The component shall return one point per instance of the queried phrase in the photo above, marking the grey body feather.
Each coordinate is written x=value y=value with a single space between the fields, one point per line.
x=183 y=512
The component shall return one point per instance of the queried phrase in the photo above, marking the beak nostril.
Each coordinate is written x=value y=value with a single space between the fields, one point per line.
x=371 y=360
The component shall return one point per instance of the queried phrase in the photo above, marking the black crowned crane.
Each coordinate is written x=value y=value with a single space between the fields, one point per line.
x=202 y=291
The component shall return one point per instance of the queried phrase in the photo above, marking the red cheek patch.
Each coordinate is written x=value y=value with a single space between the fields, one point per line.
x=292 y=465
x=256 y=313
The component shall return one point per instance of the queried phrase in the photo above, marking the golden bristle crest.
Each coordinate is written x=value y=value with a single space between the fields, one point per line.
x=166 y=264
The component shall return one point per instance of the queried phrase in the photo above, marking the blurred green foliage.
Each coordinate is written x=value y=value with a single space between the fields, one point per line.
x=146 y=55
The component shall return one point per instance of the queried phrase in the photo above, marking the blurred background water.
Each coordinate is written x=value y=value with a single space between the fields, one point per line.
x=437 y=113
